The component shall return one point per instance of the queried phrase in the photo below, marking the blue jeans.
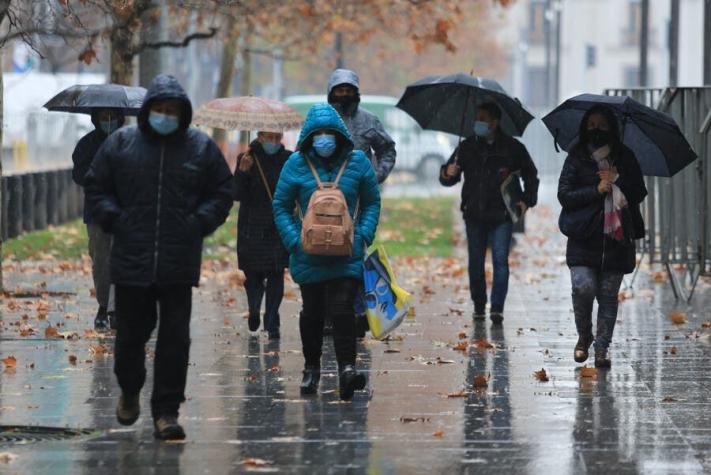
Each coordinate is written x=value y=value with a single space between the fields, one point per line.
x=591 y=284
x=498 y=236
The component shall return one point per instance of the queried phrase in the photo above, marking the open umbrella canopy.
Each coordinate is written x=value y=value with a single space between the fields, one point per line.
x=448 y=104
x=84 y=99
x=248 y=113
x=654 y=137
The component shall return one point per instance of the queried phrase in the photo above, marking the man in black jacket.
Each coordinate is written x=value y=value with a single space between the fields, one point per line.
x=106 y=121
x=486 y=159
x=159 y=187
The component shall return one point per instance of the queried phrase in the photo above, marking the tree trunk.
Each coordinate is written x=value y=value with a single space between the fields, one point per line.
x=122 y=56
x=227 y=75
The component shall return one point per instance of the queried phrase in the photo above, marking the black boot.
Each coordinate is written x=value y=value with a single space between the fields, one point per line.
x=101 y=322
x=167 y=428
x=349 y=381
x=128 y=409
x=602 y=360
x=309 y=384
x=580 y=355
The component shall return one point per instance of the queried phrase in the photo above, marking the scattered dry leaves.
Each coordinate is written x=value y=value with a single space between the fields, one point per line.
x=255 y=462
x=51 y=332
x=439 y=434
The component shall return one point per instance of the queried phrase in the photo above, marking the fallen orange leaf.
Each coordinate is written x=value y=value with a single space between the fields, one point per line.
x=678 y=318
x=482 y=344
x=461 y=346
x=439 y=433
x=481 y=381
x=72 y=359
x=255 y=462
x=10 y=362
x=541 y=375
x=51 y=332
x=463 y=335
x=98 y=349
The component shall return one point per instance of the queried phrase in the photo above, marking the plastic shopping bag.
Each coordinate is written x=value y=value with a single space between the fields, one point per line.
x=386 y=302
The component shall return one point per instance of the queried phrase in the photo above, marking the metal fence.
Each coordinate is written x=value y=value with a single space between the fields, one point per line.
x=677 y=211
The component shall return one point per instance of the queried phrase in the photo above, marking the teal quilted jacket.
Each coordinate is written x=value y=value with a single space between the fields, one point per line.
x=297 y=183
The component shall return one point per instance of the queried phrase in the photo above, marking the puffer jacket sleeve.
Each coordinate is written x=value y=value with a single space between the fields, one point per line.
x=285 y=197
x=384 y=147
x=99 y=185
x=369 y=196
x=216 y=199
x=570 y=195
x=82 y=160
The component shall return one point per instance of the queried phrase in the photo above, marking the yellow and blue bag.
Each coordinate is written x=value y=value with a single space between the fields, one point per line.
x=386 y=302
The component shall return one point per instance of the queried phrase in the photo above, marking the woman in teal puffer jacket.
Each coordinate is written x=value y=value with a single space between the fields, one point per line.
x=328 y=283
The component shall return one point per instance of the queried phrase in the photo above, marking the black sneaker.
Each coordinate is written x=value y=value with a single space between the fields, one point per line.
x=167 y=428
x=101 y=321
x=128 y=410
x=253 y=322
x=349 y=381
x=309 y=383
x=497 y=318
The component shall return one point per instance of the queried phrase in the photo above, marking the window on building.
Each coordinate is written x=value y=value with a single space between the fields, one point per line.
x=633 y=24
x=537 y=21
x=630 y=76
x=590 y=56
x=537 y=87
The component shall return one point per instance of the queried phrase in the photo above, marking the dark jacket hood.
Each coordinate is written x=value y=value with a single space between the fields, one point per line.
x=165 y=86
x=343 y=76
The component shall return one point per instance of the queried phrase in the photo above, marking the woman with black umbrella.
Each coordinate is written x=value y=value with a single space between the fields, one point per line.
x=600 y=189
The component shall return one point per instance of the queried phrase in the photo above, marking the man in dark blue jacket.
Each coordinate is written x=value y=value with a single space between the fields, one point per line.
x=486 y=160
x=159 y=188
x=106 y=121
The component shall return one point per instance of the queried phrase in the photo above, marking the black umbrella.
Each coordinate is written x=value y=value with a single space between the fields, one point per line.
x=84 y=99
x=448 y=103
x=654 y=137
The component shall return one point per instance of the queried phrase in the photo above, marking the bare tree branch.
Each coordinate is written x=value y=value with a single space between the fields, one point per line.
x=178 y=44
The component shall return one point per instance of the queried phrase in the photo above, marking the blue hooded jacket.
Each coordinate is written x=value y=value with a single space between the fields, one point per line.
x=297 y=184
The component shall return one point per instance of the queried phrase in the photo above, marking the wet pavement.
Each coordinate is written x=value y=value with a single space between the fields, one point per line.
x=438 y=400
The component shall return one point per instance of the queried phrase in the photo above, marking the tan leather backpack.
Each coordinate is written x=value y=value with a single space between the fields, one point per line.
x=327 y=228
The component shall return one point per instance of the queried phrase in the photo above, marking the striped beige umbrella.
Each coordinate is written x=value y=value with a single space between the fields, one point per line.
x=248 y=113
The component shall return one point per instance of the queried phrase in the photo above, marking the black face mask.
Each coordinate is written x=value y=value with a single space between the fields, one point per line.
x=347 y=104
x=598 y=137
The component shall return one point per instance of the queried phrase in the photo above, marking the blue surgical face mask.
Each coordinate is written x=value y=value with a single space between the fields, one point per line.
x=108 y=126
x=481 y=128
x=271 y=148
x=325 y=145
x=162 y=123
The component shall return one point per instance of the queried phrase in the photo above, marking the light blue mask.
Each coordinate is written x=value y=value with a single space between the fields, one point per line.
x=271 y=148
x=481 y=128
x=325 y=145
x=162 y=123
x=108 y=126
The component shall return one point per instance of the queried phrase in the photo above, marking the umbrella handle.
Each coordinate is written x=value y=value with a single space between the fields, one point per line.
x=555 y=140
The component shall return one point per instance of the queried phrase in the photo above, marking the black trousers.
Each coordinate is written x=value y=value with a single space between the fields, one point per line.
x=256 y=284
x=332 y=299
x=137 y=315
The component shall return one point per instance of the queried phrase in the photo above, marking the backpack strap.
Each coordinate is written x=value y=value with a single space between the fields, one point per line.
x=264 y=178
x=318 y=179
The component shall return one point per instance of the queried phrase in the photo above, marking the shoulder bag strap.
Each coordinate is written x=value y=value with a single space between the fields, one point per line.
x=264 y=178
